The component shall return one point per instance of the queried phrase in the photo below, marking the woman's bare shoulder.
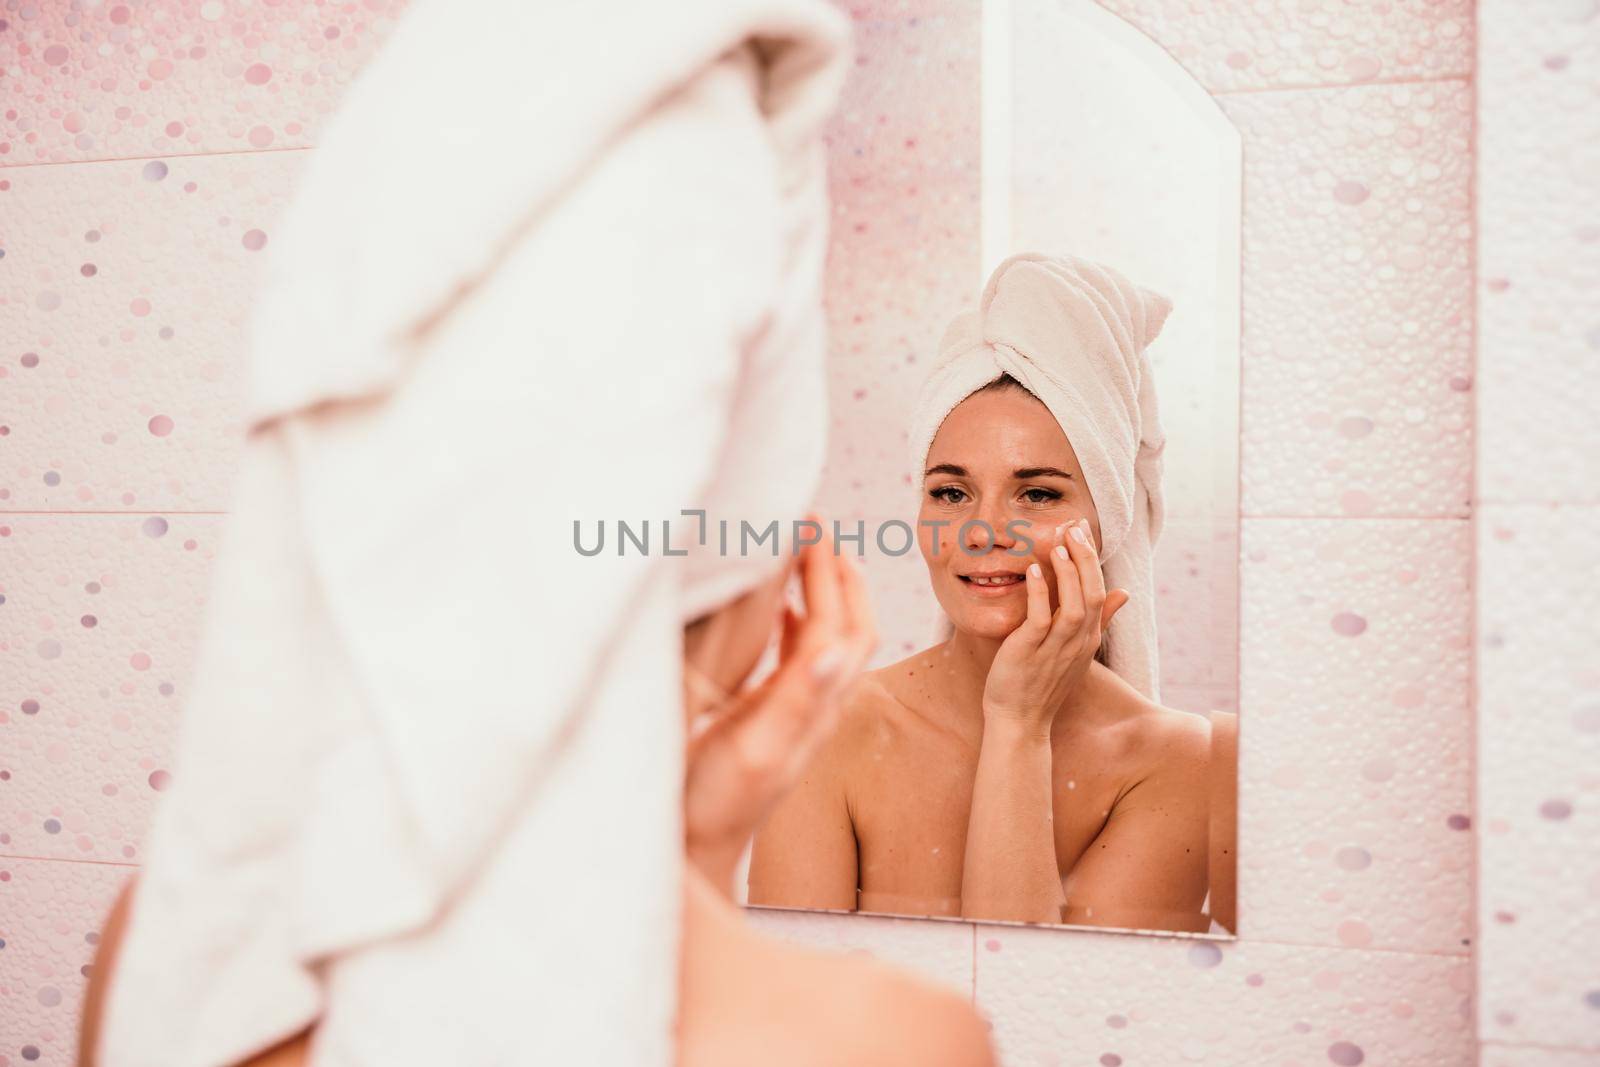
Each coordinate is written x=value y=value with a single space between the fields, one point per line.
x=1171 y=740
x=918 y=1024
x=862 y=707
x=877 y=692
x=905 y=682
x=899 y=1019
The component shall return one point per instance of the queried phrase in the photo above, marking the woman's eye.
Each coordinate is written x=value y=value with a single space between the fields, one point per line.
x=1040 y=496
x=948 y=494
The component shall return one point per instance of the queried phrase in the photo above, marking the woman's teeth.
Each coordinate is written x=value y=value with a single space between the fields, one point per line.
x=1009 y=579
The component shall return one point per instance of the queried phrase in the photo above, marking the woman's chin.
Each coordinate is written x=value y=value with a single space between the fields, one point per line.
x=994 y=623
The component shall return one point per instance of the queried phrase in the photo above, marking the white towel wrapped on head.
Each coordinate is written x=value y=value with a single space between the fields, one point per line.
x=1074 y=334
x=561 y=264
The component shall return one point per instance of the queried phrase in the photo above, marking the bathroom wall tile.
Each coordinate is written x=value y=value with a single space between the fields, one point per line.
x=50 y=918
x=98 y=626
x=1200 y=699
x=118 y=80
x=1498 y=1055
x=124 y=309
x=937 y=950
x=1539 y=253
x=1197 y=604
x=903 y=259
x=1355 y=734
x=1539 y=775
x=1058 y=998
x=904 y=241
x=1242 y=44
x=1357 y=301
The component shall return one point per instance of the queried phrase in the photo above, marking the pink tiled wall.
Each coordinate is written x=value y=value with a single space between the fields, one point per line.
x=141 y=171
x=1538 y=533
x=142 y=166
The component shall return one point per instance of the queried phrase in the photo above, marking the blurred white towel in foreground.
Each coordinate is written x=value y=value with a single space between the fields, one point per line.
x=550 y=263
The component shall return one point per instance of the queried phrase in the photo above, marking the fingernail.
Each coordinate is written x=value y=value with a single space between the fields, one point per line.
x=1033 y=569
x=1079 y=536
x=1061 y=531
x=1061 y=550
x=829 y=663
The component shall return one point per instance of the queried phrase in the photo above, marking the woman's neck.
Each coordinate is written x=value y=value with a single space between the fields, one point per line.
x=963 y=662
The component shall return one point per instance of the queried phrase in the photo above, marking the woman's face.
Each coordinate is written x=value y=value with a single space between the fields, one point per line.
x=1000 y=467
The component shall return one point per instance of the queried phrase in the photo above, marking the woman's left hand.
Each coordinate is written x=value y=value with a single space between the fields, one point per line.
x=1042 y=661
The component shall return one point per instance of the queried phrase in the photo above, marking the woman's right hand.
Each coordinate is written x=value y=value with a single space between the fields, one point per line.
x=1042 y=661
x=752 y=752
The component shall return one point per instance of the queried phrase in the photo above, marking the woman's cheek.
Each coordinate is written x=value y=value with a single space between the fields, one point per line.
x=929 y=542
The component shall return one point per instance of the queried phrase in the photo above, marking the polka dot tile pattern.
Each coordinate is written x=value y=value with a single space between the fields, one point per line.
x=938 y=951
x=97 y=79
x=902 y=260
x=1244 y=44
x=1357 y=301
x=1355 y=749
x=1539 y=774
x=1539 y=253
x=1247 y=1003
x=1194 y=603
x=50 y=919
x=124 y=308
x=1538 y=535
x=903 y=253
x=97 y=636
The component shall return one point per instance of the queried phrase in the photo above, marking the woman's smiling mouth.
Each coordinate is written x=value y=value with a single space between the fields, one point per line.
x=992 y=585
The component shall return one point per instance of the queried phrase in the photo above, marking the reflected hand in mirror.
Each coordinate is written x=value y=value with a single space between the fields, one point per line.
x=1009 y=869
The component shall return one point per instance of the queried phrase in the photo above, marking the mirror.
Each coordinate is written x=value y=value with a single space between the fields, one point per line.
x=976 y=776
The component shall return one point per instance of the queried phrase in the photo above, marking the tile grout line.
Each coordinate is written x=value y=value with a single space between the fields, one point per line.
x=1474 y=563
x=1540 y=1045
x=1422 y=79
x=69 y=859
x=6 y=167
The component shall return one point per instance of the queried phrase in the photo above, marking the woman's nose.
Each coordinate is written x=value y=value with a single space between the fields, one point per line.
x=988 y=530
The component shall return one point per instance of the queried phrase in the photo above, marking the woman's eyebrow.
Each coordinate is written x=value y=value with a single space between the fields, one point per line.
x=1021 y=473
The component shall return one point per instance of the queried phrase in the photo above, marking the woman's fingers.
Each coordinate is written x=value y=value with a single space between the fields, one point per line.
x=1114 y=602
x=786 y=705
x=789 y=634
x=1069 y=591
x=1038 y=621
x=817 y=650
x=1080 y=542
x=819 y=571
x=860 y=625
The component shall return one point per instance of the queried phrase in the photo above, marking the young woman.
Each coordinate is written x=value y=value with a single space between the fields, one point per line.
x=428 y=793
x=745 y=998
x=1009 y=772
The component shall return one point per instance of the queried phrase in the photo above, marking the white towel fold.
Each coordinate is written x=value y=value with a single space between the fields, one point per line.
x=1074 y=333
x=559 y=264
